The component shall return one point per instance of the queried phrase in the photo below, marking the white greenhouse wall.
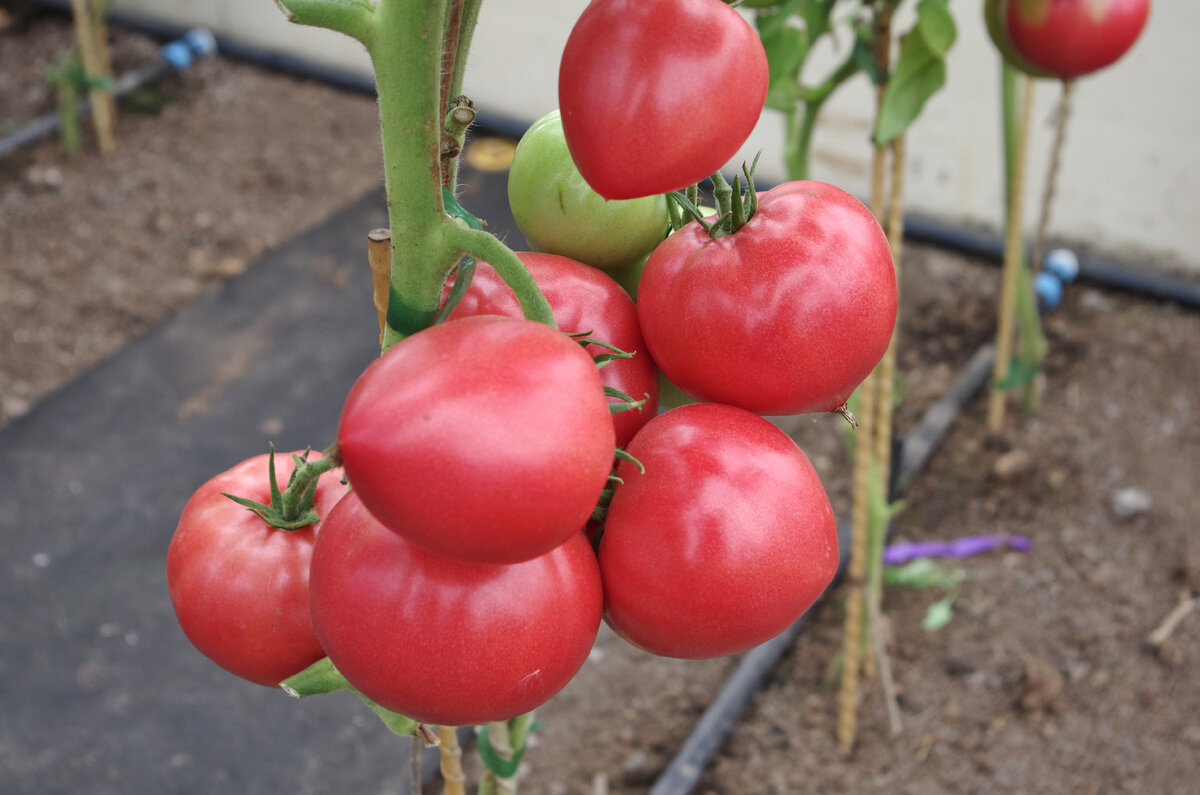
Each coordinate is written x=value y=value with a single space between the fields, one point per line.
x=1130 y=181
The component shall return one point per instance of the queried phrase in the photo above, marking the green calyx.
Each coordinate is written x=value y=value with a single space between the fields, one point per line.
x=322 y=677
x=625 y=402
x=292 y=508
x=735 y=206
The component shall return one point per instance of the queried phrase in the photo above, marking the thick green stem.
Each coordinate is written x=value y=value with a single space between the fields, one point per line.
x=406 y=53
x=799 y=129
x=801 y=123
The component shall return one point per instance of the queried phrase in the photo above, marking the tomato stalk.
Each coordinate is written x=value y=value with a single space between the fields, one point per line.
x=418 y=53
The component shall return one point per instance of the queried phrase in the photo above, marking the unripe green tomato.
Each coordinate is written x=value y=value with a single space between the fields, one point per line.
x=628 y=276
x=558 y=212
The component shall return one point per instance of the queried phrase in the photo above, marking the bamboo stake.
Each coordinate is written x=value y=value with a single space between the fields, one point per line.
x=455 y=781
x=1012 y=267
x=379 y=257
x=885 y=374
x=90 y=32
x=856 y=574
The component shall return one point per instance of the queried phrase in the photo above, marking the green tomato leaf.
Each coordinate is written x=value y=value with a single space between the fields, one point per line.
x=920 y=70
x=864 y=55
x=396 y=723
x=1020 y=372
x=936 y=24
x=921 y=573
x=817 y=16
x=938 y=615
x=317 y=679
x=786 y=49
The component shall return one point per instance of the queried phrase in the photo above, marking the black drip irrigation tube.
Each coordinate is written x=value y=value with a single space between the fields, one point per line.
x=910 y=452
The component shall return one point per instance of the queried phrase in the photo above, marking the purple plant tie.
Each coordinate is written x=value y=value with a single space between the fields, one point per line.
x=965 y=547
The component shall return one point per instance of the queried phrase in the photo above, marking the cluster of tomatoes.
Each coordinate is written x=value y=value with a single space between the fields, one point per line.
x=485 y=534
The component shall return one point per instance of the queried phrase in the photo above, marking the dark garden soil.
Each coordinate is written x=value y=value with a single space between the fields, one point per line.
x=1043 y=681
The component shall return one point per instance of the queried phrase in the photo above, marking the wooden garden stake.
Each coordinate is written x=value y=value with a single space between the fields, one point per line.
x=90 y=32
x=1010 y=279
x=379 y=257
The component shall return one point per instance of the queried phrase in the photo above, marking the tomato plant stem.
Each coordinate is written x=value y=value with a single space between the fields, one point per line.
x=801 y=122
x=406 y=53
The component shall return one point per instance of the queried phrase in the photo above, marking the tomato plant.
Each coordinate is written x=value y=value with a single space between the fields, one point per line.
x=584 y=300
x=558 y=211
x=657 y=96
x=447 y=641
x=722 y=543
x=240 y=586
x=786 y=315
x=486 y=438
x=1070 y=38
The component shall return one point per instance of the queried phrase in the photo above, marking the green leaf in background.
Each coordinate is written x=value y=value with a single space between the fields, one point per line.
x=920 y=70
x=923 y=573
x=788 y=41
x=938 y=615
x=816 y=15
x=1020 y=372
x=786 y=47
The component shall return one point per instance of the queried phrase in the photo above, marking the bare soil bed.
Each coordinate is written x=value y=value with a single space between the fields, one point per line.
x=1044 y=680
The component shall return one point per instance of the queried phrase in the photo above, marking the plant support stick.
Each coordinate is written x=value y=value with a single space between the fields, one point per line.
x=1010 y=278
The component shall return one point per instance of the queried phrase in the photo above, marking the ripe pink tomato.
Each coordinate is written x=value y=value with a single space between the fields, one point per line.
x=656 y=96
x=446 y=641
x=787 y=315
x=584 y=300
x=725 y=540
x=239 y=586
x=1069 y=38
x=485 y=438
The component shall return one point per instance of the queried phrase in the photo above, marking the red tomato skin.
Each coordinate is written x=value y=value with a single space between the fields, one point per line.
x=657 y=96
x=239 y=586
x=446 y=641
x=725 y=540
x=485 y=438
x=785 y=316
x=583 y=299
x=1071 y=38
